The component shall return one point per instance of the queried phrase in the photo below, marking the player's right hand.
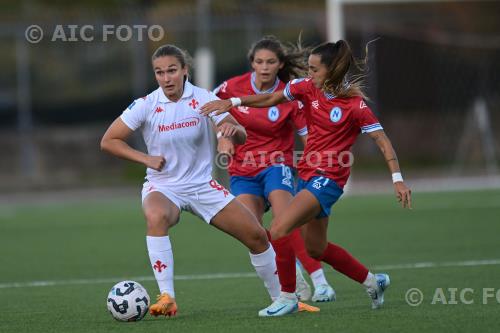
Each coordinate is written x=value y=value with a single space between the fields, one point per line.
x=403 y=194
x=216 y=107
x=155 y=162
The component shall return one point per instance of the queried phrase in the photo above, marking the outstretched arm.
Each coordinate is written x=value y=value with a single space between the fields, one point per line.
x=403 y=193
x=256 y=101
x=114 y=143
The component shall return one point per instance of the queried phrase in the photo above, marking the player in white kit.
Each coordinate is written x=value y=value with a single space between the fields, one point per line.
x=179 y=166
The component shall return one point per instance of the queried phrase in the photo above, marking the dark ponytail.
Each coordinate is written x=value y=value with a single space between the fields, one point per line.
x=345 y=73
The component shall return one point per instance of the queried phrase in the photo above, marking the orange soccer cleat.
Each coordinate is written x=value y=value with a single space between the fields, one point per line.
x=165 y=305
x=303 y=307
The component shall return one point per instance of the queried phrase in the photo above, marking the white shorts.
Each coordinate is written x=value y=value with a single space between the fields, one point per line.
x=204 y=200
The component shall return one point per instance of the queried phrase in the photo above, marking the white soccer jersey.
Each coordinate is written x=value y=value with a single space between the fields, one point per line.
x=176 y=131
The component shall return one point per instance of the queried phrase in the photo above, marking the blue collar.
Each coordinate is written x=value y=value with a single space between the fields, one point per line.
x=331 y=96
x=328 y=95
x=257 y=91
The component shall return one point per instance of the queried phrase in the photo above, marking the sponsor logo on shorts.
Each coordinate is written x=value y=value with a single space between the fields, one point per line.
x=213 y=183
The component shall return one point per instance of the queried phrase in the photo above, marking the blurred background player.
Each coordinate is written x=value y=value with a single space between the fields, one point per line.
x=261 y=169
x=336 y=116
x=179 y=167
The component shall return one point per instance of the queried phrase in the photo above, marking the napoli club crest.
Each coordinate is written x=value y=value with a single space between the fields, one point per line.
x=273 y=114
x=336 y=114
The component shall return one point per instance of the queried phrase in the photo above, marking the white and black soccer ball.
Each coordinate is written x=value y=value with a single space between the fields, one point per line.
x=128 y=301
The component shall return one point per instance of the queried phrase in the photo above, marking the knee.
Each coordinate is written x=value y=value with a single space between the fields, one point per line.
x=277 y=232
x=156 y=220
x=314 y=253
x=258 y=240
x=260 y=236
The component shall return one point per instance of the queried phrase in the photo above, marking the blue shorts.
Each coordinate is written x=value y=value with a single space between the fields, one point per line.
x=275 y=177
x=326 y=191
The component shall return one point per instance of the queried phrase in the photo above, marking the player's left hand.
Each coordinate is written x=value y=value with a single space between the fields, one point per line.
x=227 y=129
x=217 y=107
x=225 y=147
x=403 y=193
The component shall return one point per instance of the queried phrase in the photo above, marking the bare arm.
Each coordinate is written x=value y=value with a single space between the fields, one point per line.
x=256 y=101
x=303 y=139
x=114 y=142
x=264 y=100
x=403 y=193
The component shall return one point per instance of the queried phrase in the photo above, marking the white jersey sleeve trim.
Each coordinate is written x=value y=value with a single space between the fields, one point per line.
x=219 y=118
x=302 y=131
x=286 y=92
x=371 y=128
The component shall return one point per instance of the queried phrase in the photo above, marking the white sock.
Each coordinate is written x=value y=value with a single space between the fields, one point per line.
x=370 y=281
x=318 y=278
x=290 y=296
x=162 y=262
x=265 y=266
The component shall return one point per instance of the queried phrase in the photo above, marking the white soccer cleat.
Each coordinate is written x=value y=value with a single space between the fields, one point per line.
x=280 y=307
x=377 y=293
x=302 y=288
x=324 y=293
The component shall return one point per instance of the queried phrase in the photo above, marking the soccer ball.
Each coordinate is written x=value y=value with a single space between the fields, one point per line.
x=128 y=301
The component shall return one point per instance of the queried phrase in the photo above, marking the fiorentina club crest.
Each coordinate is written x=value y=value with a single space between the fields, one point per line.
x=159 y=266
x=194 y=104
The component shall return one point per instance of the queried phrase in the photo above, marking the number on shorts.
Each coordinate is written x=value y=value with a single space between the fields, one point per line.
x=320 y=182
x=286 y=172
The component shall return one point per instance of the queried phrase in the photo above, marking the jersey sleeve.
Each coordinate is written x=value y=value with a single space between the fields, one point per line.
x=297 y=89
x=365 y=118
x=135 y=114
x=299 y=119
x=216 y=118
x=223 y=91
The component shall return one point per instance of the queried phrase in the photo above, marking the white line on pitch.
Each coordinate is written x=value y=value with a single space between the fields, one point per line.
x=468 y=263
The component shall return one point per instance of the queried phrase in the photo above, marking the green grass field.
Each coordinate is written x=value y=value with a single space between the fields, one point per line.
x=81 y=249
